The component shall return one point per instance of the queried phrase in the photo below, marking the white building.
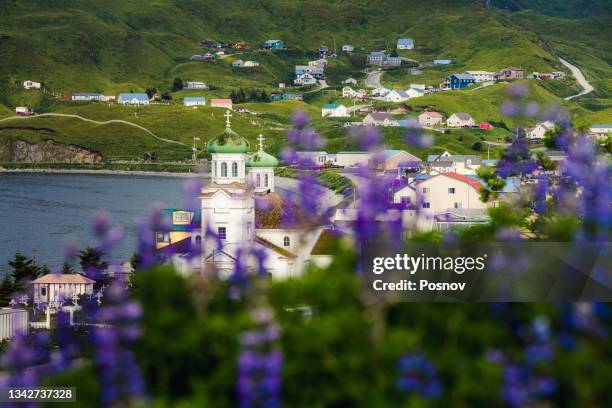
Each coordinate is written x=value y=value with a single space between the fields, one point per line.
x=305 y=80
x=414 y=93
x=31 y=85
x=601 y=130
x=87 y=97
x=195 y=85
x=405 y=44
x=347 y=48
x=379 y=119
x=350 y=81
x=460 y=120
x=483 y=76
x=350 y=159
x=430 y=119
x=396 y=96
x=194 y=101
x=441 y=192
x=229 y=212
x=464 y=164
x=12 y=322
x=134 y=99
x=22 y=110
x=539 y=131
x=53 y=287
x=334 y=110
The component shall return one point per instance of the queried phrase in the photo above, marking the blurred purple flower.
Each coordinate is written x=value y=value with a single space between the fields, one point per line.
x=418 y=375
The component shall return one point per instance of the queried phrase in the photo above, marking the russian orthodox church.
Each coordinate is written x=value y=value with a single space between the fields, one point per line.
x=241 y=210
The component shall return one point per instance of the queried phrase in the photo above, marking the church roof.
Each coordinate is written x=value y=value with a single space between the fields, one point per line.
x=228 y=142
x=327 y=243
x=262 y=159
x=274 y=247
x=234 y=189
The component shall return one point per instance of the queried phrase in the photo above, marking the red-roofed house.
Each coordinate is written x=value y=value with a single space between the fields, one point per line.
x=221 y=103
x=442 y=192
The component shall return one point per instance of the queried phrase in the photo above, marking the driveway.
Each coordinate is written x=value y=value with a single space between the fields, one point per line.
x=373 y=79
x=587 y=88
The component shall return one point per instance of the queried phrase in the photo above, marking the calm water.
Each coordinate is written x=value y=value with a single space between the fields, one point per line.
x=41 y=211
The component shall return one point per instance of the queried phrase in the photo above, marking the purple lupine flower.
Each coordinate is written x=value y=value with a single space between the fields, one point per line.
x=67 y=342
x=24 y=362
x=518 y=90
x=260 y=363
x=522 y=387
x=416 y=374
x=416 y=137
x=147 y=227
x=120 y=376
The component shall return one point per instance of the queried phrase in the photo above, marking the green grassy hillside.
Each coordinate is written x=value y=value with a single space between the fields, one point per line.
x=564 y=8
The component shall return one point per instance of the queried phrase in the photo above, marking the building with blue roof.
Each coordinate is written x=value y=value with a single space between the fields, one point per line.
x=274 y=44
x=458 y=81
x=405 y=44
x=443 y=62
x=133 y=99
x=194 y=101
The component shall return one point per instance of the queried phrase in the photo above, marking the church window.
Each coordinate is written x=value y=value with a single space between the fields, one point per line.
x=223 y=169
x=198 y=240
x=222 y=232
x=266 y=180
x=287 y=241
x=43 y=291
x=234 y=169
x=258 y=180
x=163 y=237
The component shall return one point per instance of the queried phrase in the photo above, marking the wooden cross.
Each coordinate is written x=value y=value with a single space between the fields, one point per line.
x=99 y=297
x=75 y=299
x=227 y=115
x=261 y=139
x=24 y=300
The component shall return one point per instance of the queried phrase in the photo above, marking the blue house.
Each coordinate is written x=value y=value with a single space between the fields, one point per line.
x=133 y=99
x=274 y=44
x=405 y=44
x=443 y=62
x=194 y=101
x=458 y=81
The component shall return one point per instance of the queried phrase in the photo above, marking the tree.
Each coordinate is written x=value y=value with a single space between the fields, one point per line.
x=477 y=146
x=166 y=96
x=265 y=97
x=6 y=289
x=177 y=85
x=67 y=268
x=92 y=264
x=254 y=95
x=151 y=92
x=24 y=271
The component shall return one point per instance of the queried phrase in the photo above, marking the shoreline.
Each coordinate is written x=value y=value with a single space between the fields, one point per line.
x=104 y=171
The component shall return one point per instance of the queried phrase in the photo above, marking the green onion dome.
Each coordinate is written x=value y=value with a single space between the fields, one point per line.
x=228 y=142
x=262 y=159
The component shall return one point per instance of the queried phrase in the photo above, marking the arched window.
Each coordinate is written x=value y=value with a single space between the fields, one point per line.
x=287 y=241
x=234 y=169
x=258 y=178
x=266 y=180
x=223 y=169
x=198 y=240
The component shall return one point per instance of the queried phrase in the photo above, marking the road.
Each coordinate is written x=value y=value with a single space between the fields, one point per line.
x=373 y=79
x=125 y=122
x=587 y=88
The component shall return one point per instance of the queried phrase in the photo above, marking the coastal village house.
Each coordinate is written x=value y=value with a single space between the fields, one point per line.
x=394 y=159
x=195 y=85
x=405 y=44
x=461 y=119
x=538 y=132
x=511 y=73
x=347 y=48
x=221 y=103
x=379 y=119
x=441 y=192
x=380 y=59
x=87 y=97
x=334 y=110
x=133 y=99
x=430 y=119
x=54 y=287
x=274 y=44
x=194 y=101
x=31 y=85
x=457 y=81
x=601 y=130
x=396 y=96
x=483 y=76
x=464 y=164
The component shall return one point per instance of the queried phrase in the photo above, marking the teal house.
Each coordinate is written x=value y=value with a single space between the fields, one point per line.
x=274 y=44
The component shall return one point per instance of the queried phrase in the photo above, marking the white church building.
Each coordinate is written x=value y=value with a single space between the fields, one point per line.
x=240 y=210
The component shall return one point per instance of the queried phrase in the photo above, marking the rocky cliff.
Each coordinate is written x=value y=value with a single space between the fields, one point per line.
x=48 y=151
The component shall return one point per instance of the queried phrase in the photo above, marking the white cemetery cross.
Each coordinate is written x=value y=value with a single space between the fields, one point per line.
x=24 y=300
x=12 y=302
x=75 y=299
x=99 y=297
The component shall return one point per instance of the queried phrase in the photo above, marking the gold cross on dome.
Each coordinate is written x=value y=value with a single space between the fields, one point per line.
x=261 y=139
x=227 y=115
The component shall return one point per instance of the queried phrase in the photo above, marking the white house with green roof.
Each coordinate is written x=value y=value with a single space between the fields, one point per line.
x=334 y=110
x=260 y=167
